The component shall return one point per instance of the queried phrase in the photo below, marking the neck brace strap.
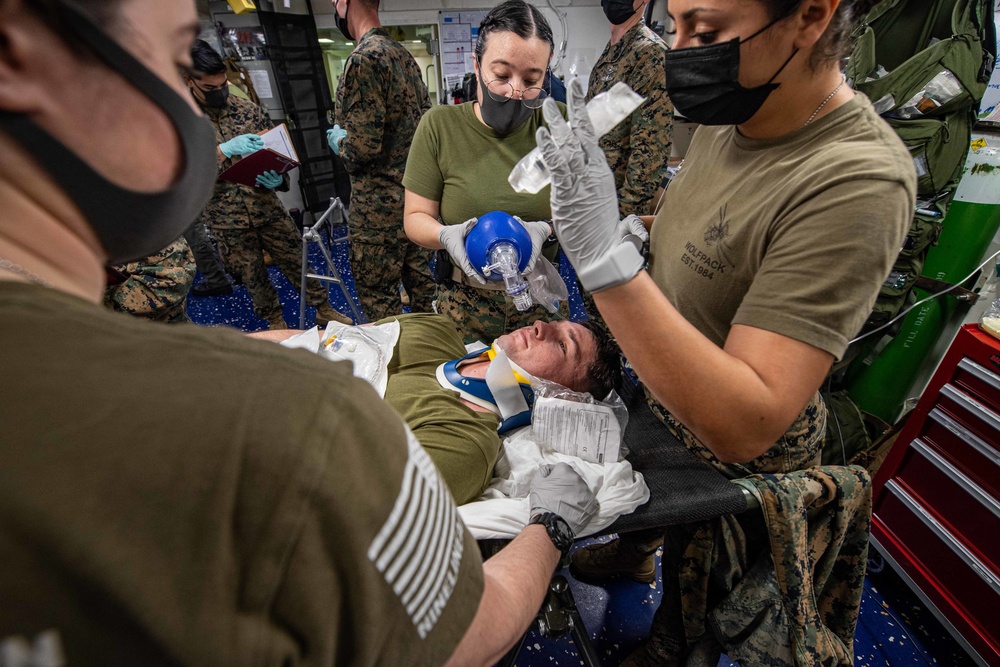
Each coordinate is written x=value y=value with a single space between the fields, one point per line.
x=504 y=392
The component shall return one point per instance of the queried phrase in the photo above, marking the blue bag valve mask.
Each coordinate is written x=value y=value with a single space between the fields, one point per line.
x=499 y=248
x=129 y=224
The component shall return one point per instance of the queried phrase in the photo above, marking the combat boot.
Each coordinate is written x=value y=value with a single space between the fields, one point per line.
x=597 y=562
x=276 y=322
x=326 y=313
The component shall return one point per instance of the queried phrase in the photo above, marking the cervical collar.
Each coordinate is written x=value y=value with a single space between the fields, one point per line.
x=506 y=391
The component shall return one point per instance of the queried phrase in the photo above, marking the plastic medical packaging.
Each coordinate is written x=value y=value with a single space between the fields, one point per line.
x=606 y=110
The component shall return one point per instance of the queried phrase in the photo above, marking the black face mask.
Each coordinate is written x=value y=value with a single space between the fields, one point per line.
x=342 y=25
x=128 y=224
x=703 y=83
x=216 y=99
x=503 y=117
x=618 y=11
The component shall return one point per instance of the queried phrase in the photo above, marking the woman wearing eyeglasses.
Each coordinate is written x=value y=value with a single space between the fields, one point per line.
x=460 y=158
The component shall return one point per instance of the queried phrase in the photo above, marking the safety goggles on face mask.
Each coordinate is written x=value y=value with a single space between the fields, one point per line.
x=703 y=83
x=128 y=224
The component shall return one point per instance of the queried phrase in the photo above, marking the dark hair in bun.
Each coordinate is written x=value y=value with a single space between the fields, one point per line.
x=836 y=41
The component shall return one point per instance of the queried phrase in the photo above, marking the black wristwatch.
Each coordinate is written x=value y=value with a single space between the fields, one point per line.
x=559 y=532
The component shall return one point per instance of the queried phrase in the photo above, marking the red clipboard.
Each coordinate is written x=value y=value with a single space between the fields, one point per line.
x=277 y=155
x=246 y=171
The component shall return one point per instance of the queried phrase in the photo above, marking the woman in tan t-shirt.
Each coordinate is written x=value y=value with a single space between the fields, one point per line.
x=768 y=251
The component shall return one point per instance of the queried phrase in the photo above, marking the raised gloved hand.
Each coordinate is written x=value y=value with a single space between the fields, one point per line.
x=243 y=145
x=538 y=230
x=584 y=199
x=334 y=136
x=269 y=179
x=559 y=488
x=452 y=237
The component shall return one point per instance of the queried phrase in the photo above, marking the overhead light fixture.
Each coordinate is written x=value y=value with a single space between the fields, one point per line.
x=324 y=40
x=416 y=41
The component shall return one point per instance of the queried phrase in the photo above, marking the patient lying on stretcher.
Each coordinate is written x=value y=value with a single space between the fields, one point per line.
x=448 y=406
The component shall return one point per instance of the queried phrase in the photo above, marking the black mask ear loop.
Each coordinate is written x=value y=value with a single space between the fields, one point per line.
x=780 y=69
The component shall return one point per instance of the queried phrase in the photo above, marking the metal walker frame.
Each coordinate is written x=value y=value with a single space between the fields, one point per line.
x=336 y=214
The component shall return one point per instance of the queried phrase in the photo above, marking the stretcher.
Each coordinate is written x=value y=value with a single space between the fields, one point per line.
x=682 y=489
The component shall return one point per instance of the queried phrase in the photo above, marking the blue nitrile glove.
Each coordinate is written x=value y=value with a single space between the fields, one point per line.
x=452 y=237
x=334 y=136
x=243 y=145
x=583 y=197
x=559 y=488
x=538 y=230
x=269 y=179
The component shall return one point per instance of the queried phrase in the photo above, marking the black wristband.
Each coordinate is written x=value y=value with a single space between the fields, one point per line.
x=558 y=531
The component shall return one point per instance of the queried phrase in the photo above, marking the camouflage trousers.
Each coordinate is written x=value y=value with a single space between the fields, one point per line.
x=155 y=287
x=380 y=262
x=485 y=315
x=243 y=253
x=205 y=259
x=780 y=586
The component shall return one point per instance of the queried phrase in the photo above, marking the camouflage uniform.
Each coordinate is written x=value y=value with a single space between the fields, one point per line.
x=780 y=586
x=246 y=221
x=380 y=99
x=638 y=148
x=156 y=287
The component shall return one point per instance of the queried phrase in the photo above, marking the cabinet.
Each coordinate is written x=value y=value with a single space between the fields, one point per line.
x=936 y=515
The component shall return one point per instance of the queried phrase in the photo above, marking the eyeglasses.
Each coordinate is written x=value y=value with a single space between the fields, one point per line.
x=503 y=91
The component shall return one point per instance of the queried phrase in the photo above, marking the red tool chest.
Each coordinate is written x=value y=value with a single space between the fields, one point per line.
x=937 y=496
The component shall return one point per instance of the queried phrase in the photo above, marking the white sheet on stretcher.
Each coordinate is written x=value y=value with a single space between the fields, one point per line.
x=503 y=509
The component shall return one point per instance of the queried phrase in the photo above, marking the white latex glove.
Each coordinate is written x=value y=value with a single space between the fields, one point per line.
x=538 y=230
x=452 y=237
x=633 y=225
x=559 y=489
x=584 y=199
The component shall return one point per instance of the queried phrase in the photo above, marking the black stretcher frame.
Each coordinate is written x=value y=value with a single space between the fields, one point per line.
x=682 y=489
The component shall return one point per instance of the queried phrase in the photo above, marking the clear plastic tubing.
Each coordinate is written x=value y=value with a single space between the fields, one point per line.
x=504 y=258
x=606 y=110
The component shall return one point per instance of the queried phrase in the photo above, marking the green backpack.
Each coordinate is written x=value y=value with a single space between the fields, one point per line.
x=925 y=65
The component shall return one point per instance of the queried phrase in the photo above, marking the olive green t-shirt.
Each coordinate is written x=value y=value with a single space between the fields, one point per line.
x=184 y=495
x=461 y=163
x=462 y=442
x=794 y=235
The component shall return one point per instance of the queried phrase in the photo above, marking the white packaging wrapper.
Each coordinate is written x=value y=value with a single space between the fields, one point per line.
x=589 y=431
x=368 y=348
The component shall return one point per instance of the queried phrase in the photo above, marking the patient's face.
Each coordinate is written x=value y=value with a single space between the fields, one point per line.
x=558 y=351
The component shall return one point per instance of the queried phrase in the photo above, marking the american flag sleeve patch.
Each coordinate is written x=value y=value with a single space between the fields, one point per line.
x=419 y=548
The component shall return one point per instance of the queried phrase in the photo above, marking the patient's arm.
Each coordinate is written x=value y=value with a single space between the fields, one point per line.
x=285 y=334
x=515 y=583
x=274 y=336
